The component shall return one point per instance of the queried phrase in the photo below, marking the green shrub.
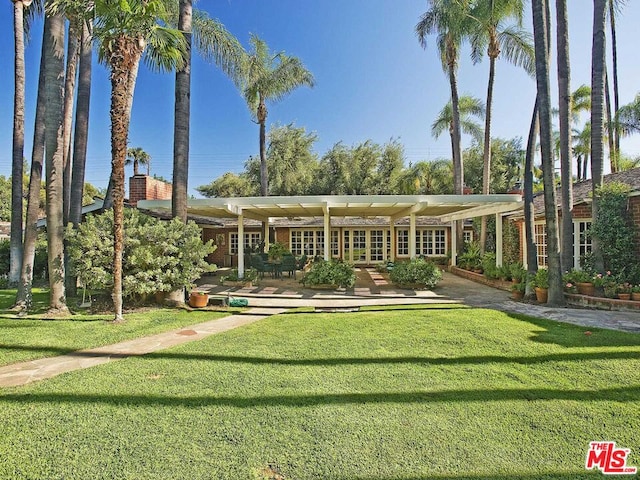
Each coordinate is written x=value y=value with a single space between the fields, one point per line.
x=416 y=272
x=158 y=255
x=488 y=265
x=471 y=258
x=5 y=257
x=541 y=278
x=518 y=272
x=332 y=272
x=39 y=261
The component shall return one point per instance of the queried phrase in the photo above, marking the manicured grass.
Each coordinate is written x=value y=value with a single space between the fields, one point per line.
x=404 y=395
x=33 y=337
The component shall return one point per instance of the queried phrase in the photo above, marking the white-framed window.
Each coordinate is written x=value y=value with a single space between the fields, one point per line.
x=581 y=240
x=335 y=243
x=540 y=237
x=468 y=236
x=307 y=242
x=431 y=242
x=377 y=245
x=402 y=242
x=251 y=240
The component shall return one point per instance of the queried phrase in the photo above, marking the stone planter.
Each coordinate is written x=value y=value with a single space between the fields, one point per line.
x=586 y=288
x=624 y=296
x=542 y=294
x=198 y=300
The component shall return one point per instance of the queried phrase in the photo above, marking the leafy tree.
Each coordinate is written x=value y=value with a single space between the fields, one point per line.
x=508 y=162
x=469 y=107
x=158 y=255
x=428 y=178
x=267 y=78
x=229 y=185
x=628 y=118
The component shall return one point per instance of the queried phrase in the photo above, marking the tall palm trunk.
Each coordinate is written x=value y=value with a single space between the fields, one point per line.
x=181 y=124
x=614 y=58
x=262 y=119
x=494 y=51
x=23 y=297
x=597 y=115
x=122 y=63
x=73 y=49
x=458 y=167
x=15 y=247
x=564 y=97
x=541 y=35
x=81 y=134
x=529 y=210
x=54 y=145
x=613 y=153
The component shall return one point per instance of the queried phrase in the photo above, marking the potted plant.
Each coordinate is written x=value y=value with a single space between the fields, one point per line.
x=198 y=299
x=517 y=290
x=583 y=281
x=276 y=251
x=624 y=291
x=541 y=285
x=233 y=280
x=635 y=293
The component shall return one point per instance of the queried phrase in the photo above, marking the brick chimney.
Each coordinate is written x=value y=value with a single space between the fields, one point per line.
x=144 y=187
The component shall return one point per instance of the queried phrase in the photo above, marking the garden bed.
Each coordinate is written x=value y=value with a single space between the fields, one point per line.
x=480 y=278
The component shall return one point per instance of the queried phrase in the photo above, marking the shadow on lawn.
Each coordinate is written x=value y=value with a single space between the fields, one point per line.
x=621 y=394
x=338 y=361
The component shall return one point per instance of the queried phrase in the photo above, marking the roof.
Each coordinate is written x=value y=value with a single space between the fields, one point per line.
x=582 y=190
x=442 y=207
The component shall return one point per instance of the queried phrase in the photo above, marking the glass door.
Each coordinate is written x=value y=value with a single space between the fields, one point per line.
x=359 y=246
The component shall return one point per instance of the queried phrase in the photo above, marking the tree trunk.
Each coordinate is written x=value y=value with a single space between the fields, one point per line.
x=81 y=134
x=54 y=145
x=264 y=174
x=529 y=211
x=564 y=97
x=23 y=297
x=613 y=154
x=486 y=169
x=597 y=116
x=541 y=35
x=15 y=243
x=182 y=119
x=616 y=98
x=73 y=46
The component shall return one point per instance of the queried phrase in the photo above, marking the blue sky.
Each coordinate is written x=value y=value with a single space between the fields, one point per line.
x=374 y=81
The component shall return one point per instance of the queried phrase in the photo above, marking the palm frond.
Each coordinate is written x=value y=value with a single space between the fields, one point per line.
x=516 y=45
x=166 y=49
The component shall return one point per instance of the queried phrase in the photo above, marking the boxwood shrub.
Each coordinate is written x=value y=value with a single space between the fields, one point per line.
x=417 y=272
x=332 y=272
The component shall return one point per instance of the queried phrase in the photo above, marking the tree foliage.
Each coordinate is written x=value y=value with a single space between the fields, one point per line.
x=507 y=164
x=158 y=255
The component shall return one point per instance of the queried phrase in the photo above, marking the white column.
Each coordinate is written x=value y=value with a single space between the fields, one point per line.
x=267 y=240
x=392 y=232
x=454 y=244
x=523 y=242
x=327 y=234
x=412 y=236
x=498 y=240
x=240 y=245
x=576 y=245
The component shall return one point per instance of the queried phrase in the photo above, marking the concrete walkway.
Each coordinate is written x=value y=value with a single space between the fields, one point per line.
x=27 y=372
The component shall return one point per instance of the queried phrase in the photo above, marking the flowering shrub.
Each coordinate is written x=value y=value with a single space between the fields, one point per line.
x=624 y=287
x=578 y=276
x=570 y=287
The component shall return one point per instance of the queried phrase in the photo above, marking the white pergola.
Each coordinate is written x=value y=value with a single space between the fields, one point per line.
x=447 y=208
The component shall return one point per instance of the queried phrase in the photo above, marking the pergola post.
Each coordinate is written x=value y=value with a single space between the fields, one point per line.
x=454 y=244
x=267 y=240
x=523 y=245
x=392 y=233
x=499 y=253
x=327 y=233
x=240 y=245
x=412 y=236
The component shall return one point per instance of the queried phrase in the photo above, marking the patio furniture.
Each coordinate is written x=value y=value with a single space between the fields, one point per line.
x=302 y=262
x=289 y=265
x=261 y=266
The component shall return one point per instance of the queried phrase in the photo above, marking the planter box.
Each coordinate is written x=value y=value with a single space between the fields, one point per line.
x=602 y=303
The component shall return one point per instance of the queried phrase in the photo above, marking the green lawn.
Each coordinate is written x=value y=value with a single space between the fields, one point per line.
x=399 y=394
x=33 y=337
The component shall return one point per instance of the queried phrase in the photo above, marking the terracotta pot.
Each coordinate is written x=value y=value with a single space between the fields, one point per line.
x=635 y=296
x=586 y=288
x=197 y=300
x=517 y=295
x=542 y=294
x=624 y=296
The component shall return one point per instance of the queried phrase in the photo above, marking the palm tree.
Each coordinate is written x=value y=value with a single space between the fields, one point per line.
x=582 y=150
x=469 y=107
x=628 y=119
x=268 y=77
x=216 y=44
x=19 y=7
x=137 y=156
x=54 y=145
x=564 y=95
x=598 y=65
x=125 y=30
x=614 y=7
x=541 y=34
x=515 y=45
